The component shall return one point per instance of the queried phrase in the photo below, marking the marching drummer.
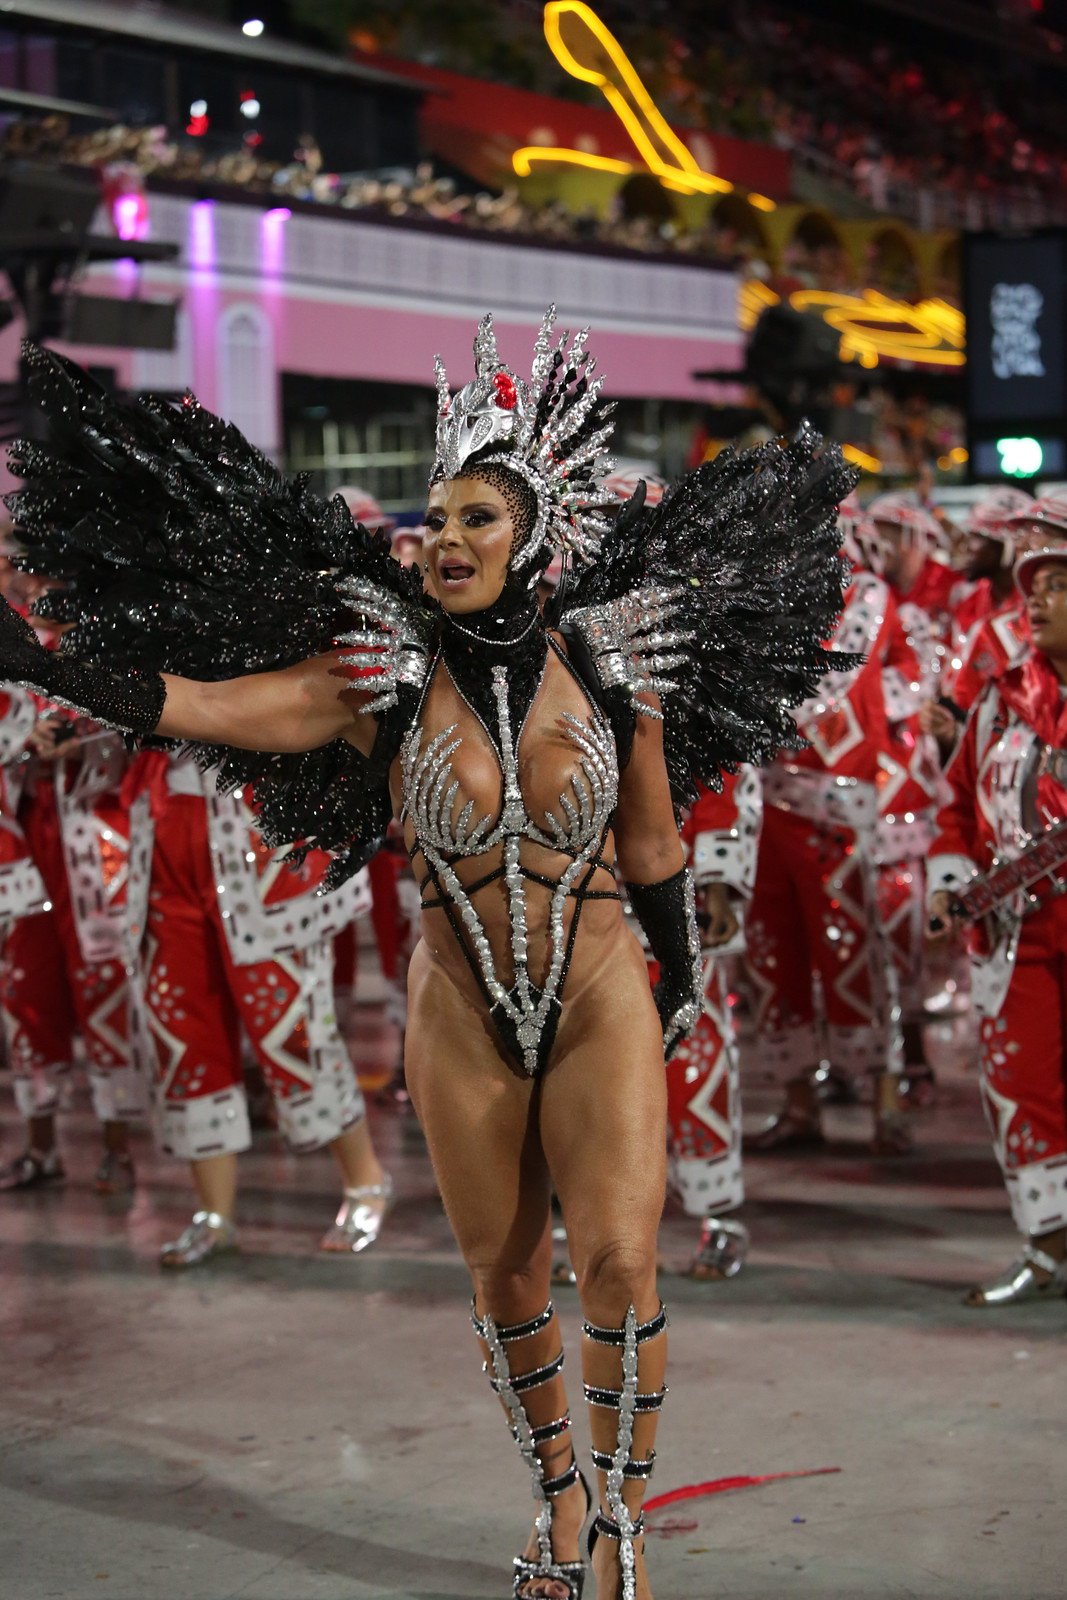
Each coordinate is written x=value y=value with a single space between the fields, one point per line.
x=1009 y=782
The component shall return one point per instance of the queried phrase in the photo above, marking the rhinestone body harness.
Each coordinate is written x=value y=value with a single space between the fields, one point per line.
x=526 y=1014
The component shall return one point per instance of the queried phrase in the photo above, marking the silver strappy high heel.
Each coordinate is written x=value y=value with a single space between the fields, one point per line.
x=510 y=1387
x=1021 y=1282
x=621 y=1465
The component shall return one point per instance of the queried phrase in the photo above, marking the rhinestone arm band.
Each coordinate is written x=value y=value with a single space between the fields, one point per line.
x=667 y=913
x=131 y=700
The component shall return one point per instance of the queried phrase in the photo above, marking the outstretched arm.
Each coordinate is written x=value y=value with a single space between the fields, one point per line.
x=297 y=708
x=294 y=709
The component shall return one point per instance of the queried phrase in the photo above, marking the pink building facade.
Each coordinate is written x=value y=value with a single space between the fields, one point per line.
x=264 y=291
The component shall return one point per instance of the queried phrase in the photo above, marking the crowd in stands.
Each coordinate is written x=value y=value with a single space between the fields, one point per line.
x=772 y=72
x=642 y=219
x=883 y=117
x=886 y=112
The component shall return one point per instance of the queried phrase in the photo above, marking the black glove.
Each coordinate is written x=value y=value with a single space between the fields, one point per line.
x=131 y=700
x=667 y=913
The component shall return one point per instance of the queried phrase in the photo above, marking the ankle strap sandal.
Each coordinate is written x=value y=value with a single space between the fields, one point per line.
x=621 y=1466
x=510 y=1387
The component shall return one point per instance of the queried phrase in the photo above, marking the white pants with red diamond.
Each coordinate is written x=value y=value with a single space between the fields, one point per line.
x=704 y=1106
x=199 y=998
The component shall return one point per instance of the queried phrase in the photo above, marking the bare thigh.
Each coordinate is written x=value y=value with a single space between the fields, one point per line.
x=603 y=1120
x=479 y=1116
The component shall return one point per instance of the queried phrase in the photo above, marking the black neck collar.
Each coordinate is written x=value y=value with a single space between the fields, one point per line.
x=509 y=633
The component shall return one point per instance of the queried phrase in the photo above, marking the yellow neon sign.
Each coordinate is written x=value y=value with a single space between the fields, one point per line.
x=586 y=49
x=860 y=458
x=872 y=326
x=531 y=155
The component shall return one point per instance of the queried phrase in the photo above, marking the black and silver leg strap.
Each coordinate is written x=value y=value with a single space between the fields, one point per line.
x=511 y=1386
x=629 y=1402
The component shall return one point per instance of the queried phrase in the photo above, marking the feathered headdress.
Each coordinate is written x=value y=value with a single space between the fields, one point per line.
x=552 y=432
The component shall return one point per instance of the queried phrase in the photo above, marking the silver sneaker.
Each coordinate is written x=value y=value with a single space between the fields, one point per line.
x=208 y=1235
x=359 y=1221
x=722 y=1251
x=1021 y=1282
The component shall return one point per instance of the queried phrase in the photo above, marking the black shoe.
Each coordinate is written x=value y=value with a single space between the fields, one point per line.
x=32 y=1170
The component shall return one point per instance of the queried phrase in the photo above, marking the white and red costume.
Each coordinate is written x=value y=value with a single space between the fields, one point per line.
x=1000 y=641
x=66 y=958
x=815 y=907
x=1019 y=984
x=22 y=889
x=990 y=635
x=234 y=937
x=721 y=834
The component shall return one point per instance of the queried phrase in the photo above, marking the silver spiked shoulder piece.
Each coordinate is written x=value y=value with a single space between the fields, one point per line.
x=550 y=431
x=393 y=647
x=635 y=641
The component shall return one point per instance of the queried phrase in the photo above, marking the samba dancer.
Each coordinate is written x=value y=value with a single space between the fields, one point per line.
x=524 y=759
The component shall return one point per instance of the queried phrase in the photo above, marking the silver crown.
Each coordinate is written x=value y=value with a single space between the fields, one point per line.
x=537 y=430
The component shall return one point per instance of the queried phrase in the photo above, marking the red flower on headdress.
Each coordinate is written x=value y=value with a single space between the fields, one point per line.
x=506 y=393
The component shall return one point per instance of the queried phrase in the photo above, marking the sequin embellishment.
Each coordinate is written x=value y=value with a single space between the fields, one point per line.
x=526 y=1012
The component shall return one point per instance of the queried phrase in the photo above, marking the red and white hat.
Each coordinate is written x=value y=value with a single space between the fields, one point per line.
x=860 y=539
x=365 y=508
x=622 y=483
x=1038 y=556
x=993 y=512
x=1047 y=511
x=405 y=545
x=919 y=528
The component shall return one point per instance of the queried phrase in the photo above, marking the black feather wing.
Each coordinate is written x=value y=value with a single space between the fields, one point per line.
x=720 y=601
x=182 y=548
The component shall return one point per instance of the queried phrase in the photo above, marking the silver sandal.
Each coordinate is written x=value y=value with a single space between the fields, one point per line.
x=722 y=1250
x=621 y=1465
x=208 y=1235
x=510 y=1387
x=1021 y=1283
x=359 y=1222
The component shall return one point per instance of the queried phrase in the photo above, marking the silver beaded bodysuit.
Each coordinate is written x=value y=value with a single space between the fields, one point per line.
x=526 y=1014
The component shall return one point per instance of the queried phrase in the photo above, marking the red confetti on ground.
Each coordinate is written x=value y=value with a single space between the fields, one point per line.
x=673 y=1528
x=697 y=1491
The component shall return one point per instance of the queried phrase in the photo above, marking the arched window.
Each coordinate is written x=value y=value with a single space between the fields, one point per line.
x=247 y=382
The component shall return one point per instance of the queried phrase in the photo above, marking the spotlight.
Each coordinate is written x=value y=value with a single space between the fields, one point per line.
x=252 y=28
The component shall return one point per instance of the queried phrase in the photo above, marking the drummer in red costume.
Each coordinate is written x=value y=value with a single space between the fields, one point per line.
x=63 y=978
x=1009 y=782
x=988 y=620
x=234 y=937
x=917 y=562
x=817 y=908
